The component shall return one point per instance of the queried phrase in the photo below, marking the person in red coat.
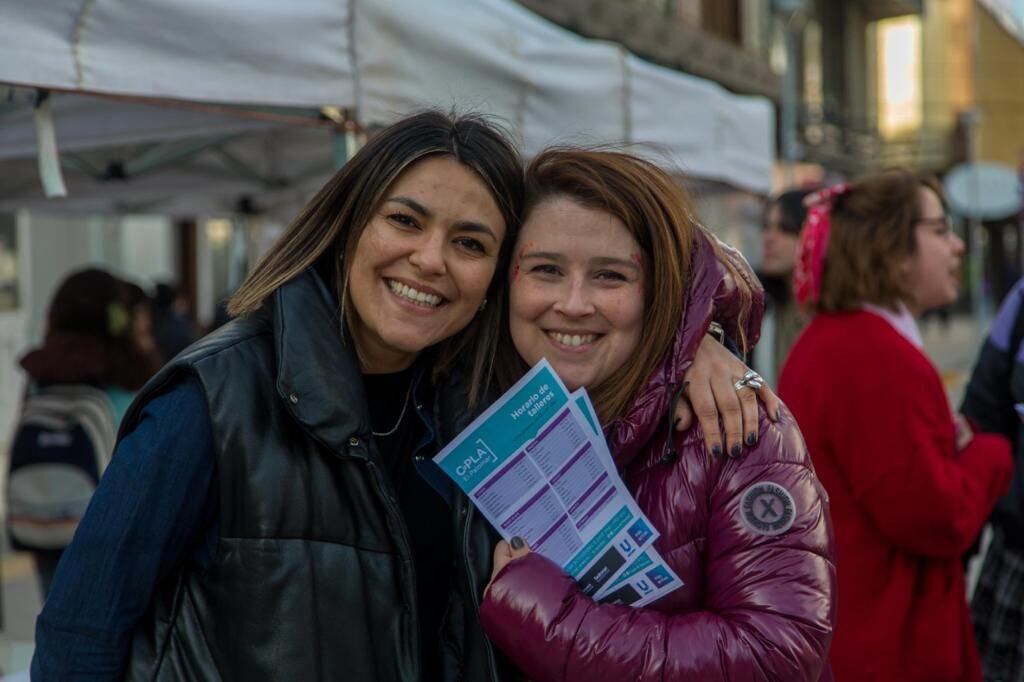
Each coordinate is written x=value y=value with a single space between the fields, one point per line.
x=615 y=283
x=910 y=485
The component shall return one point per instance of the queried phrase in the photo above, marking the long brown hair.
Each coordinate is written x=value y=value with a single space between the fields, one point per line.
x=659 y=214
x=872 y=232
x=333 y=220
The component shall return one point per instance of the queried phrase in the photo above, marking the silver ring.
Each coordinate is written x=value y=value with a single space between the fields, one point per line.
x=750 y=380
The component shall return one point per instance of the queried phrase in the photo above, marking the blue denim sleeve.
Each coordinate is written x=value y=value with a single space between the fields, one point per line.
x=154 y=509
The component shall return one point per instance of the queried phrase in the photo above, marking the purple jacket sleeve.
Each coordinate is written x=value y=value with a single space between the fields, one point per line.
x=768 y=599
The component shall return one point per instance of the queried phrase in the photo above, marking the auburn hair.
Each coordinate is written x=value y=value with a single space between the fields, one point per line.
x=872 y=234
x=659 y=214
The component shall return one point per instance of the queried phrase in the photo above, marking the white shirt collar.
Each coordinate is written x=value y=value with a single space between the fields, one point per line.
x=901 y=320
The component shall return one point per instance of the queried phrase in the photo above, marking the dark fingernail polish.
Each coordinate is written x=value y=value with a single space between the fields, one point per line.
x=716 y=450
x=735 y=452
x=751 y=439
x=676 y=422
x=516 y=542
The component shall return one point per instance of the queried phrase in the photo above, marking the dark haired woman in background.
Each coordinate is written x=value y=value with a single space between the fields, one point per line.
x=783 y=319
x=141 y=307
x=88 y=356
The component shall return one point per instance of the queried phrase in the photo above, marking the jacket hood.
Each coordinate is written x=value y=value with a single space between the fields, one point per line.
x=67 y=359
x=711 y=295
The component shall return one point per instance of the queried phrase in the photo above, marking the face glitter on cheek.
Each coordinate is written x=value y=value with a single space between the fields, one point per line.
x=519 y=259
x=638 y=258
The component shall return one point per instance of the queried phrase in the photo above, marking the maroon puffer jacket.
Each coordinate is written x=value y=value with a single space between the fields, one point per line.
x=758 y=601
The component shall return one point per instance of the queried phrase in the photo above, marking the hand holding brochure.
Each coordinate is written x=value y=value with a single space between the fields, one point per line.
x=537 y=466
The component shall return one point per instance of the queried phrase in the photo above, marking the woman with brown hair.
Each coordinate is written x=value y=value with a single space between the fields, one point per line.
x=270 y=512
x=911 y=485
x=615 y=282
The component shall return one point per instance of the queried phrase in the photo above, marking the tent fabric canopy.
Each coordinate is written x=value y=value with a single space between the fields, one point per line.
x=125 y=157
x=378 y=59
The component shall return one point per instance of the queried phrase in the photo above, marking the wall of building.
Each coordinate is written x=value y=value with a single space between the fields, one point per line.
x=1000 y=92
x=947 y=63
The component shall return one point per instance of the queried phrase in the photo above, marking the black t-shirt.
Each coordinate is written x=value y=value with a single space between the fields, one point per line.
x=427 y=515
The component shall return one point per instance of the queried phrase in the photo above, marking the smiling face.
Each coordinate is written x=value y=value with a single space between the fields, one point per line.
x=933 y=271
x=423 y=264
x=577 y=293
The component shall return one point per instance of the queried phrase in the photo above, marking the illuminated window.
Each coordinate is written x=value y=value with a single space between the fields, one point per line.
x=814 y=93
x=899 y=75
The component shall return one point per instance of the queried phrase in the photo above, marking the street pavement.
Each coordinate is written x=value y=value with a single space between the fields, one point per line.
x=952 y=347
x=21 y=604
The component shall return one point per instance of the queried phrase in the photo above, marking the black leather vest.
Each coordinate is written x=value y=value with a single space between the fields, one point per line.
x=313 y=577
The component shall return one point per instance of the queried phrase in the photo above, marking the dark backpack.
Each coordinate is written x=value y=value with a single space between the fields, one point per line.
x=62 y=442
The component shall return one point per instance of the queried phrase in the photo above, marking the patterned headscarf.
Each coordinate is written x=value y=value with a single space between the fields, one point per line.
x=810 y=263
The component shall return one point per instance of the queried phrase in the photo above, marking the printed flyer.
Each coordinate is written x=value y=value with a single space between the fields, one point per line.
x=648 y=577
x=537 y=466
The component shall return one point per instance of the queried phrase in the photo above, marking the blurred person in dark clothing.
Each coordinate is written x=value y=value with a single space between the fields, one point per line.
x=141 y=307
x=86 y=370
x=173 y=326
x=994 y=401
x=783 y=320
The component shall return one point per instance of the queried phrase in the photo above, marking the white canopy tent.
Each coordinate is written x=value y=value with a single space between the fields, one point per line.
x=166 y=104
x=125 y=157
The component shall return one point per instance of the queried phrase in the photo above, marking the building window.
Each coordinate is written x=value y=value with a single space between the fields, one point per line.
x=899 y=75
x=722 y=18
x=814 y=76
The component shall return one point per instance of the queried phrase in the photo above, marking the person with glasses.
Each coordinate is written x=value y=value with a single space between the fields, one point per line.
x=910 y=483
